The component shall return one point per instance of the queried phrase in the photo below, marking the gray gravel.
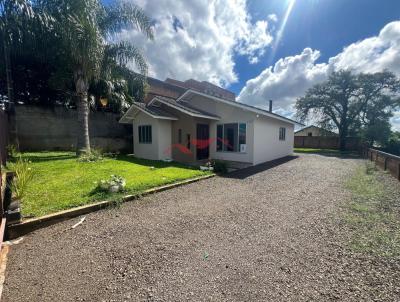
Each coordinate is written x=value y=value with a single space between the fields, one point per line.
x=271 y=236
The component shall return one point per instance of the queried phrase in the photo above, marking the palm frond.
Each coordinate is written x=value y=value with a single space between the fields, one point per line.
x=123 y=14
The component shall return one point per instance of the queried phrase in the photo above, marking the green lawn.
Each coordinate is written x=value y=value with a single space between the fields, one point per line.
x=373 y=212
x=61 y=182
x=328 y=152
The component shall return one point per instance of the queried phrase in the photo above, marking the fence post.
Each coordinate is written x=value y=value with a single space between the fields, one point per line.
x=385 y=164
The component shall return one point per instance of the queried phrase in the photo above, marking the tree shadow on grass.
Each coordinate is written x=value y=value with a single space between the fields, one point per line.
x=38 y=157
x=332 y=153
x=153 y=163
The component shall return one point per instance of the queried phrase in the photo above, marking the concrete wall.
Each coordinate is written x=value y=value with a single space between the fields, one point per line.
x=267 y=144
x=40 y=128
x=3 y=137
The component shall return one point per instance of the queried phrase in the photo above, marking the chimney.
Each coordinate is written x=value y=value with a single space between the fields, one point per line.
x=270 y=106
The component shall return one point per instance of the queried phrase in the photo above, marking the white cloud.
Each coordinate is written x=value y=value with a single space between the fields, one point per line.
x=291 y=76
x=286 y=80
x=203 y=41
x=272 y=18
x=395 y=120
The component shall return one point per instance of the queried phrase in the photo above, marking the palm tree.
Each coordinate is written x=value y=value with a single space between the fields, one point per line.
x=86 y=35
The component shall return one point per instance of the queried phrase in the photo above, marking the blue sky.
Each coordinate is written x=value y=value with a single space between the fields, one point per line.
x=243 y=46
x=326 y=25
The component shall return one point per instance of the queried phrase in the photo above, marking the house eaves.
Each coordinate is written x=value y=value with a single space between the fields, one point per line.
x=240 y=105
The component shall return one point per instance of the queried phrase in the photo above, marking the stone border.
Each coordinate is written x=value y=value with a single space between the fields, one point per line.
x=16 y=230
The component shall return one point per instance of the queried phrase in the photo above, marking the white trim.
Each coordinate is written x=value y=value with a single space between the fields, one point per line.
x=183 y=110
x=239 y=105
x=144 y=111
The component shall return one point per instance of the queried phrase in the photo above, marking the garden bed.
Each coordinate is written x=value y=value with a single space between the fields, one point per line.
x=62 y=182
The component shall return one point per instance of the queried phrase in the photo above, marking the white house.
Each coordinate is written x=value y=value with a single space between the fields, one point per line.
x=197 y=126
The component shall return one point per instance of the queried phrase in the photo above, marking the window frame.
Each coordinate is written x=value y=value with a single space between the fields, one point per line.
x=221 y=147
x=282 y=133
x=145 y=134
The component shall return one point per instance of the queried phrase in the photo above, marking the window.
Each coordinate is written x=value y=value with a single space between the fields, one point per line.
x=231 y=137
x=309 y=134
x=145 y=134
x=282 y=134
x=188 y=141
x=179 y=136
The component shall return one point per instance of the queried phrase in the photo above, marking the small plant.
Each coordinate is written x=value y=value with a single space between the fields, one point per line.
x=92 y=156
x=12 y=151
x=370 y=168
x=23 y=175
x=115 y=184
x=220 y=167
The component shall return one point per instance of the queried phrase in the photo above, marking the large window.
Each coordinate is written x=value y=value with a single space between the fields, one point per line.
x=282 y=134
x=145 y=136
x=231 y=137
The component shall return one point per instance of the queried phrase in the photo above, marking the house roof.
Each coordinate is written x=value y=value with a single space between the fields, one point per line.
x=184 y=107
x=311 y=126
x=239 y=105
x=151 y=110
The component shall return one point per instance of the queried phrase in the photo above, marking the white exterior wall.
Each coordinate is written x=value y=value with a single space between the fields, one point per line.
x=267 y=145
x=228 y=114
x=164 y=139
x=161 y=138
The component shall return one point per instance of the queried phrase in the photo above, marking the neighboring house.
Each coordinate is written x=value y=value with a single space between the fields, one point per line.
x=314 y=131
x=206 y=122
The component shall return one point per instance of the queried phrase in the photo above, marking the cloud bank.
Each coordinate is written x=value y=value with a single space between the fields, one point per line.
x=198 y=38
x=291 y=76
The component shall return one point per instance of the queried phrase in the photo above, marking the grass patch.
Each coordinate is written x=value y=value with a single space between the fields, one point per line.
x=327 y=152
x=61 y=181
x=373 y=213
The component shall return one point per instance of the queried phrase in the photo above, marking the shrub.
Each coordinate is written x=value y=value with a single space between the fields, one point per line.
x=115 y=184
x=23 y=175
x=94 y=155
x=220 y=167
x=12 y=151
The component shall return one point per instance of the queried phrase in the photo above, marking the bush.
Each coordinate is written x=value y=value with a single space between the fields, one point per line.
x=115 y=184
x=23 y=175
x=12 y=151
x=94 y=155
x=220 y=167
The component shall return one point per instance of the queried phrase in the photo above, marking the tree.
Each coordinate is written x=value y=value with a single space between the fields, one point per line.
x=350 y=102
x=19 y=22
x=85 y=32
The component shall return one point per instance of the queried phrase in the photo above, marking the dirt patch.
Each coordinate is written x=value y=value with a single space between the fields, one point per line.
x=275 y=235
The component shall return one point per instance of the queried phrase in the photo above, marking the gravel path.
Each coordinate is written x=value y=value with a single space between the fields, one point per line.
x=270 y=236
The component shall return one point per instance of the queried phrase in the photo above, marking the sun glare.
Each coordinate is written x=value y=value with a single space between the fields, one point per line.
x=281 y=30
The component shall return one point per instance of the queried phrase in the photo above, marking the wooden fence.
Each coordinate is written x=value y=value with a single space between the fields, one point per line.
x=386 y=161
x=326 y=142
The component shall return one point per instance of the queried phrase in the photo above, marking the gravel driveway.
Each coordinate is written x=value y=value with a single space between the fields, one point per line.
x=268 y=236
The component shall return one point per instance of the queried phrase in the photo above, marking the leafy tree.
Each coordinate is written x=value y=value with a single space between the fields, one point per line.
x=19 y=22
x=393 y=145
x=85 y=31
x=351 y=103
